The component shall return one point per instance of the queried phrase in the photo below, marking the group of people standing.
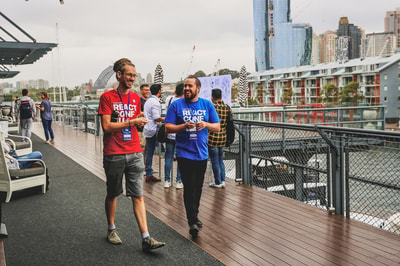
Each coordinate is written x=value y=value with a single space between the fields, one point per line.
x=25 y=111
x=195 y=128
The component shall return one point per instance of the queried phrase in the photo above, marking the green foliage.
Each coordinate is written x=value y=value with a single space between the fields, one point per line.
x=225 y=71
x=234 y=74
x=287 y=95
x=199 y=74
x=350 y=94
x=35 y=94
x=329 y=94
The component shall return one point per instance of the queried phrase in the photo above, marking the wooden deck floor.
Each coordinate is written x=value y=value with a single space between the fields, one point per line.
x=249 y=226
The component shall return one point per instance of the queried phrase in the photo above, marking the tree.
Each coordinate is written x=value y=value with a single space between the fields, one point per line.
x=287 y=94
x=329 y=94
x=350 y=94
x=199 y=73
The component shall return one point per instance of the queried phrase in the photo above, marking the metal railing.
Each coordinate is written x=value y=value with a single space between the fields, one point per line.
x=369 y=117
x=351 y=172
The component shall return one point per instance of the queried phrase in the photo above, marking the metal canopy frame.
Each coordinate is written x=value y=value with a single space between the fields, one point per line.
x=16 y=52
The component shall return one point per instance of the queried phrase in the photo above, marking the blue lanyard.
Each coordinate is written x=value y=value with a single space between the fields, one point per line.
x=123 y=106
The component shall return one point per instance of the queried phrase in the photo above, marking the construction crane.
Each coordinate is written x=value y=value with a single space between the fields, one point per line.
x=216 y=68
x=190 y=64
x=384 y=47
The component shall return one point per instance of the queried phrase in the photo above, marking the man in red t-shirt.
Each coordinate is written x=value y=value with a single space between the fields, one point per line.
x=120 y=116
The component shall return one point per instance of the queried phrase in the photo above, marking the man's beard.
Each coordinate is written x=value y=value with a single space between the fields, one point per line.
x=191 y=96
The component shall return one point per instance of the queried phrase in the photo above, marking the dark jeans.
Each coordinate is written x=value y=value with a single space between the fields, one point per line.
x=192 y=173
x=47 y=129
x=150 y=148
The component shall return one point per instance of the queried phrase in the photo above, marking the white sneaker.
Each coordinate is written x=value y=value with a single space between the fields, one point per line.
x=179 y=185
x=215 y=185
x=223 y=184
x=167 y=184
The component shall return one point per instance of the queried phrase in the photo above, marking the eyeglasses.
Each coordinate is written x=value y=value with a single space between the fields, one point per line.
x=130 y=75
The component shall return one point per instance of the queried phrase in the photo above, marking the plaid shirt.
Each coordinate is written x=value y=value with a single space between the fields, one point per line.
x=218 y=139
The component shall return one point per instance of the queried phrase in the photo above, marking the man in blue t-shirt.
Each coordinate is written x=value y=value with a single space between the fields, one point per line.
x=191 y=118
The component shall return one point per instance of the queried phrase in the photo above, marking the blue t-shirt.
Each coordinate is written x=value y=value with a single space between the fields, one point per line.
x=191 y=145
x=46 y=114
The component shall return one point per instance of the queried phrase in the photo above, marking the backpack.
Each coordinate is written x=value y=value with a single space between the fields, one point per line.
x=161 y=134
x=25 y=110
x=230 y=128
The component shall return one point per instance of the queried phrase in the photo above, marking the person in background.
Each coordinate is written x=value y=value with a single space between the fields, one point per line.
x=217 y=140
x=144 y=95
x=191 y=119
x=15 y=109
x=120 y=117
x=152 y=111
x=26 y=113
x=170 y=145
x=47 y=117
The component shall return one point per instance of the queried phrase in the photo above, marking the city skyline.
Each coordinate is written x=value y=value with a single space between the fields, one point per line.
x=92 y=36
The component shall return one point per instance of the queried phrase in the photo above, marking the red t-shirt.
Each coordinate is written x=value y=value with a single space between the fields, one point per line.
x=113 y=142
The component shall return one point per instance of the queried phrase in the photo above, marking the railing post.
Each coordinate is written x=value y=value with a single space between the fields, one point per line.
x=244 y=150
x=338 y=177
x=85 y=118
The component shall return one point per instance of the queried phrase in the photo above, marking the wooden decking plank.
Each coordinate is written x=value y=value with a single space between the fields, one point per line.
x=246 y=225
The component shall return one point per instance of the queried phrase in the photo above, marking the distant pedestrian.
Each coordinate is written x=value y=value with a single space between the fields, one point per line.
x=120 y=117
x=170 y=145
x=217 y=140
x=46 y=116
x=152 y=111
x=191 y=118
x=26 y=113
x=144 y=95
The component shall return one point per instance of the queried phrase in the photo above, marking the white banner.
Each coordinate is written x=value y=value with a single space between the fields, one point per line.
x=216 y=82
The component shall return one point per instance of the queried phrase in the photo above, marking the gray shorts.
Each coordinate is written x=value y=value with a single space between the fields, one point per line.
x=115 y=166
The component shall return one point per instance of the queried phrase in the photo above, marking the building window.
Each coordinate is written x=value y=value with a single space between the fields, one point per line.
x=385 y=88
x=385 y=99
x=385 y=76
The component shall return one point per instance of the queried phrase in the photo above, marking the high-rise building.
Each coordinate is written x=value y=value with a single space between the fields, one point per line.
x=349 y=40
x=278 y=42
x=392 y=24
x=261 y=35
x=327 y=46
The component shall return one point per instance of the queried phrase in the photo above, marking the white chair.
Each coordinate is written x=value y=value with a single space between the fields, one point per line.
x=14 y=180
x=13 y=126
x=21 y=144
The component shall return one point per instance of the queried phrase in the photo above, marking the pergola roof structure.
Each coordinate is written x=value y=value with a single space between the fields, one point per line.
x=15 y=52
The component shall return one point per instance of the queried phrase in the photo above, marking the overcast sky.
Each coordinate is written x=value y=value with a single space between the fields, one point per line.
x=92 y=34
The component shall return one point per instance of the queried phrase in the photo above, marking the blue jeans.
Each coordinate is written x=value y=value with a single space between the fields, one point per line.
x=28 y=164
x=169 y=158
x=217 y=161
x=150 y=148
x=47 y=129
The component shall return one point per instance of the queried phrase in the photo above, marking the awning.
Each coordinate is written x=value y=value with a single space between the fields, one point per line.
x=21 y=53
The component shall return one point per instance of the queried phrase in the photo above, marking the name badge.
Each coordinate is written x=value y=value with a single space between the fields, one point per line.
x=127 y=134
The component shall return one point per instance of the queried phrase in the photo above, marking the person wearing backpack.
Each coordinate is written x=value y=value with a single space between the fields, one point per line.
x=217 y=140
x=26 y=113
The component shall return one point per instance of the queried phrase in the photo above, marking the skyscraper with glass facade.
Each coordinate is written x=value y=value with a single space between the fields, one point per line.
x=278 y=42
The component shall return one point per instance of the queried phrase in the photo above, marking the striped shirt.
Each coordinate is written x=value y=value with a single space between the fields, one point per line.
x=218 y=139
